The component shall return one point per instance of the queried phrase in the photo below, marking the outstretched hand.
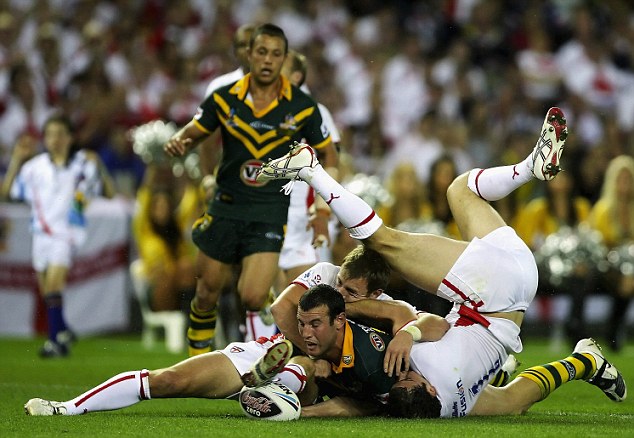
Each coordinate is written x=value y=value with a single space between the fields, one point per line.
x=177 y=147
x=396 y=361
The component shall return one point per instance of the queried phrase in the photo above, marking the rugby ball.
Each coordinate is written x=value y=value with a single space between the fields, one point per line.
x=272 y=401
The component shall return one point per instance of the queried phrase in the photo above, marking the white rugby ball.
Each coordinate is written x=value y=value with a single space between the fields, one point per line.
x=272 y=401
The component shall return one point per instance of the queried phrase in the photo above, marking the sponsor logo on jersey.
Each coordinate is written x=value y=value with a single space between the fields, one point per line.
x=459 y=408
x=230 y=118
x=273 y=236
x=199 y=113
x=248 y=172
x=377 y=342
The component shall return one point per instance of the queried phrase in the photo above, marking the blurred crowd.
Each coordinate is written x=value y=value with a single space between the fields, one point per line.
x=421 y=90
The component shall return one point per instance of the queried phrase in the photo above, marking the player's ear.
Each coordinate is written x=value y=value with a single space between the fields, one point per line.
x=375 y=294
x=340 y=320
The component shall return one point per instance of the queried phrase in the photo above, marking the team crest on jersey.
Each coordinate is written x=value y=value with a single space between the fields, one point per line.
x=347 y=359
x=235 y=349
x=288 y=126
x=377 y=342
x=248 y=172
x=230 y=118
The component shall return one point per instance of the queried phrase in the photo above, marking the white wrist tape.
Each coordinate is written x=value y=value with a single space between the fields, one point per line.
x=412 y=330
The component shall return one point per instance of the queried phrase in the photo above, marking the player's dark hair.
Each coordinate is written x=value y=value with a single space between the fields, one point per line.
x=320 y=295
x=299 y=64
x=413 y=402
x=363 y=262
x=270 y=30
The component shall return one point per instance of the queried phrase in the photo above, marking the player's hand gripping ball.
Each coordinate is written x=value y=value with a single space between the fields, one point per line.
x=272 y=401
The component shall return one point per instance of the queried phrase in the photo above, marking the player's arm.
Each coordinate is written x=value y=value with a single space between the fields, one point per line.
x=284 y=311
x=23 y=150
x=341 y=407
x=185 y=139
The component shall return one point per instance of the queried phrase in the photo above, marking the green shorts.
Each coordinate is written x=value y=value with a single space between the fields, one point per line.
x=230 y=240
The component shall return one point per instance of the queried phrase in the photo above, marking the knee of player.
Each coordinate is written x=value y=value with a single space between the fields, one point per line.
x=253 y=300
x=306 y=363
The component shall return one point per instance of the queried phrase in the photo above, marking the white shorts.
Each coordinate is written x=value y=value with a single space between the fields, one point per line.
x=297 y=249
x=497 y=273
x=51 y=250
x=459 y=366
x=244 y=354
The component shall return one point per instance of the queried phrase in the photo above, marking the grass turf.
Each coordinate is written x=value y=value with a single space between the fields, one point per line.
x=576 y=409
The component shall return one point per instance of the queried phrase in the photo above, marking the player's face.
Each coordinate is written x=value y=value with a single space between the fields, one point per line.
x=57 y=138
x=353 y=289
x=266 y=58
x=413 y=379
x=319 y=334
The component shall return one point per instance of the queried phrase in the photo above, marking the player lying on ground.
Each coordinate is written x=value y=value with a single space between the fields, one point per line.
x=217 y=375
x=491 y=277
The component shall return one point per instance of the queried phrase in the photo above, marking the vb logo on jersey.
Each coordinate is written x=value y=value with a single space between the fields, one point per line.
x=248 y=172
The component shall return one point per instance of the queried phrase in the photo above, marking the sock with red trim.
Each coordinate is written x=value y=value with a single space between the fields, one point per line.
x=352 y=211
x=293 y=376
x=122 y=390
x=497 y=182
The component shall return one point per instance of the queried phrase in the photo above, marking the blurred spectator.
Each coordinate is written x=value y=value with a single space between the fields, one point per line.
x=613 y=217
x=161 y=231
x=408 y=196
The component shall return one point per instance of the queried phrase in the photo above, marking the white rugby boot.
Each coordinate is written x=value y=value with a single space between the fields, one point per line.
x=38 y=407
x=550 y=145
x=607 y=377
x=300 y=156
x=269 y=365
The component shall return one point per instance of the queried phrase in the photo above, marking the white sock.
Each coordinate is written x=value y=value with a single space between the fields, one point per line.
x=497 y=182
x=293 y=376
x=353 y=212
x=256 y=327
x=122 y=390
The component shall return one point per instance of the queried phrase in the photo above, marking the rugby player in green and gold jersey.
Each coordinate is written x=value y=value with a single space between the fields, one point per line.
x=259 y=117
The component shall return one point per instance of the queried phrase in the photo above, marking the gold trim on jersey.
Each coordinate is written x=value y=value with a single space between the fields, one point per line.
x=347 y=352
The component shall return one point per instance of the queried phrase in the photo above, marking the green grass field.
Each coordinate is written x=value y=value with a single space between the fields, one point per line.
x=577 y=409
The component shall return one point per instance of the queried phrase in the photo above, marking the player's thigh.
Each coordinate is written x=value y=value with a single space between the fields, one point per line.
x=210 y=375
x=422 y=259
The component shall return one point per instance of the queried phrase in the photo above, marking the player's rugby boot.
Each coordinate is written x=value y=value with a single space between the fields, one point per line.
x=550 y=145
x=273 y=361
x=607 y=377
x=52 y=349
x=287 y=167
x=38 y=407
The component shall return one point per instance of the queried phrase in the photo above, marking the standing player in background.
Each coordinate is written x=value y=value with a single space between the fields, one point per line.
x=210 y=149
x=259 y=117
x=57 y=184
x=307 y=226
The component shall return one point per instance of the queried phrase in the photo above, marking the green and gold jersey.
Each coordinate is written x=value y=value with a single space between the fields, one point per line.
x=360 y=370
x=251 y=137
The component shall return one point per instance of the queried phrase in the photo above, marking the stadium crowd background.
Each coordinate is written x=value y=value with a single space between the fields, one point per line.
x=405 y=80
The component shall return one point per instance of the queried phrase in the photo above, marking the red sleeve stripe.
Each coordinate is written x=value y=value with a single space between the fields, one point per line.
x=364 y=221
x=476 y=182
